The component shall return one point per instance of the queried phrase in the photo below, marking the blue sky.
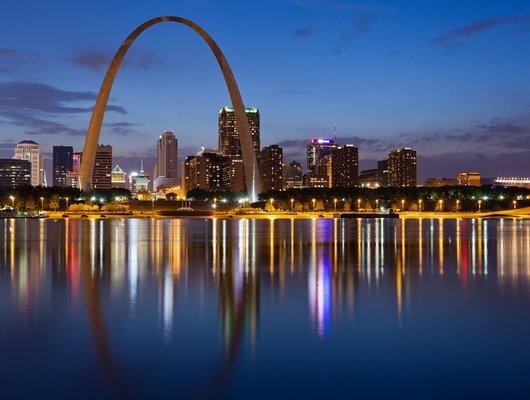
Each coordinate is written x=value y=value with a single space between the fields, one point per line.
x=449 y=78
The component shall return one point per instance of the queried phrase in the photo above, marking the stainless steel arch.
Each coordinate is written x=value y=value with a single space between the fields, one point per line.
x=94 y=128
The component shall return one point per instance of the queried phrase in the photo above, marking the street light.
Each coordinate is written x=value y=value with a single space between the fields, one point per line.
x=42 y=203
x=271 y=200
x=376 y=205
x=314 y=201
x=402 y=204
x=441 y=202
x=479 y=205
x=67 y=203
x=335 y=204
x=358 y=205
x=292 y=204
x=12 y=198
x=214 y=205
x=457 y=205
x=420 y=204
x=514 y=204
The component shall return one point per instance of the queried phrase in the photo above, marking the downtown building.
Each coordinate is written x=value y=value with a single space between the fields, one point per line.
x=14 y=173
x=118 y=178
x=102 y=172
x=292 y=175
x=230 y=145
x=271 y=168
x=166 y=167
x=208 y=171
x=402 y=168
x=345 y=166
x=62 y=164
x=72 y=176
x=30 y=151
x=139 y=183
x=319 y=162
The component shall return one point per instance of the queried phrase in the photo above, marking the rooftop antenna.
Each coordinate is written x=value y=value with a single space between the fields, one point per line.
x=335 y=133
x=141 y=165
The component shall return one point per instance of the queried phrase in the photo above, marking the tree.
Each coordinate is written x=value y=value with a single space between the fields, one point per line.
x=53 y=204
x=30 y=204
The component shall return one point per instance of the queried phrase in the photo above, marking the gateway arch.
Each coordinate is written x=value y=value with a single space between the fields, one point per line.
x=94 y=128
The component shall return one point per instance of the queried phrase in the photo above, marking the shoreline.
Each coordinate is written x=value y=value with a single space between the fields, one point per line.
x=519 y=214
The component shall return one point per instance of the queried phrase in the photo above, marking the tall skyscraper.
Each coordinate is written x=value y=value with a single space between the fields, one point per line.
x=271 y=168
x=62 y=164
x=29 y=150
x=101 y=176
x=14 y=173
x=167 y=160
x=317 y=149
x=402 y=168
x=230 y=145
x=228 y=135
x=345 y=166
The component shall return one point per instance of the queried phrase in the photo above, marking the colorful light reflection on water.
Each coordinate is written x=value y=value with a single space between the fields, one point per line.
x=430 y=308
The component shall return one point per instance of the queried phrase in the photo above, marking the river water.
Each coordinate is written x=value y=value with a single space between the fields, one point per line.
x=279 y=308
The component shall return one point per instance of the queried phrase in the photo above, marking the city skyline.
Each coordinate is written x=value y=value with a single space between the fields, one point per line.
x=454 y=114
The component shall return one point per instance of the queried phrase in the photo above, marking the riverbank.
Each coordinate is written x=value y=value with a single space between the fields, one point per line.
x=517 y=213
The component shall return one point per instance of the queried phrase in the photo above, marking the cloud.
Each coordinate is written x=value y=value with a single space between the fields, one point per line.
x=304 y=32
x=362 y=25
x=293 y=92
x=456 y=37
x=99 y=60
x=38 y=107
x=11 y=53
x=32 y=96
x=122 y=127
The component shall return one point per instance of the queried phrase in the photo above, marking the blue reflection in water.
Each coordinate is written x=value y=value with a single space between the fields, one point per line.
x=158 y=308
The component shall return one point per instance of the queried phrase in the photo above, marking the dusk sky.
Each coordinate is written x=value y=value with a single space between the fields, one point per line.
x=449 y=78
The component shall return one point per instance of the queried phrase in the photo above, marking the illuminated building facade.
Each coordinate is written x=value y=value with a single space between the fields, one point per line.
x=271 y=168
x=345 y=166
x=468 y=179
x=101 y=176
x=138 y=182
x=62 y=164
x=317 y=149
x=30 y=151
x=118 y=177
x=513 y=181
x=207 y=171
x=72 y=176
x=402 y=168
x=14 y=173
x=167 y=160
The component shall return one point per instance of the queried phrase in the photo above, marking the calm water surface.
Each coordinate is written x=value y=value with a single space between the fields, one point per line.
x=265 y=308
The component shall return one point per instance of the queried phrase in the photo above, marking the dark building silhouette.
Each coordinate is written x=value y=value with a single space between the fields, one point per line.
x=292 y=175
x=382 y=167
x=345 y=166
x=402 y=168
x=14 y=173
x=101 y=177
x=62 y=164
x=369 y=178
x=271 y=168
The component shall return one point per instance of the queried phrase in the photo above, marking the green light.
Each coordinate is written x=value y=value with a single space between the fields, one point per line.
x=248 y=110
